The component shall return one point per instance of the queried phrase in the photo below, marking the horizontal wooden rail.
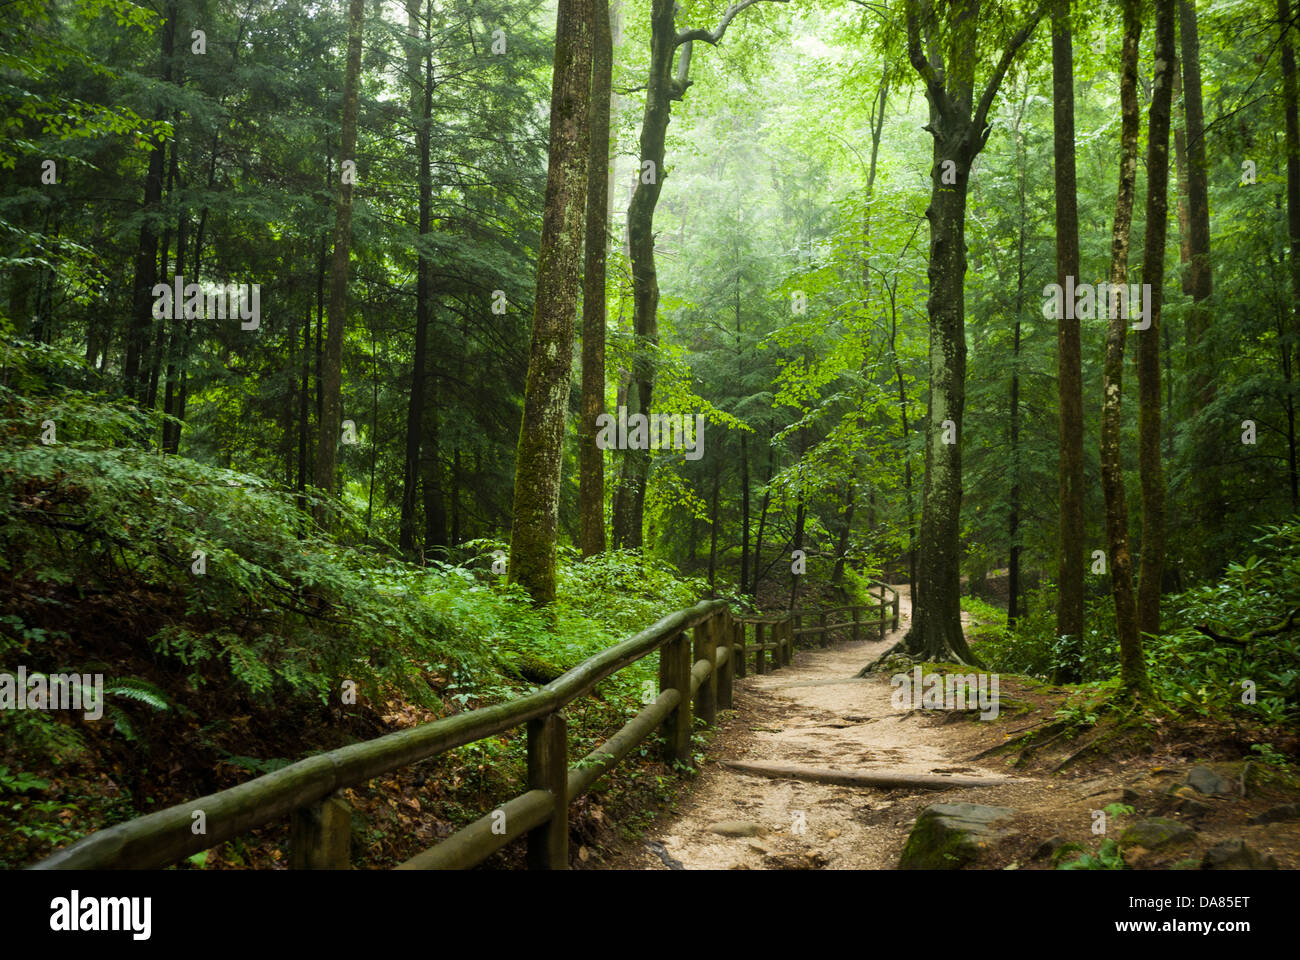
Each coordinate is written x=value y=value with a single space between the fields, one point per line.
x=167 y=836
x=888 y=603
x=695 y=680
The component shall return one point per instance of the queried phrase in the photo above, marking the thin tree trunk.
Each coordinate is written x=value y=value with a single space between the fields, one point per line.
x=1069 y=609
x=146 y=258
x=419 y=71
x=1200 y=278
x=714 y=521
x=591 y=459
x=762 y=518
x=331 y=376
x=1291 y=100
x=550 y=362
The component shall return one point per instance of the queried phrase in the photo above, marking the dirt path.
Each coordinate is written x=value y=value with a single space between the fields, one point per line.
x=813 y=713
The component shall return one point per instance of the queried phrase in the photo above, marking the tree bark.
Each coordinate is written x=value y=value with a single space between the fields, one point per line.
x=1148 y=352
x=146 y=257
x=1291 y=101
x=591 y=459
x=331 y=375
x=959 y=128
x=1069 y=609
x=419 y=72
x=550 y=361
x=1133 y=673
x=1200 y=278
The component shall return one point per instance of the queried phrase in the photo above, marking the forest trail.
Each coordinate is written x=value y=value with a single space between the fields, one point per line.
x=814 y=713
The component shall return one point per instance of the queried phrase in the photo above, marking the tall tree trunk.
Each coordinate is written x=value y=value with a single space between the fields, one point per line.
x=550 y=361
x=715 y=521
x=420 y=73
x=662 y=88
x=1148 y=352
x=1069 y=609
x=762 y=518
x=331 y=374
x=1013 y=519
x=1291 y=100
x=591 y=459
x=959 y=129
x=1133 y=672
x=1200 y=277
x=146 y=258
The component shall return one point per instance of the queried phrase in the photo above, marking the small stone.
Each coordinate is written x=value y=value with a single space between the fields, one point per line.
x=758 y=848
x=1285 y=811
x=1204 y=780
x=832 y=834
x=1237 y=855
x=1049 y=847
x=1155 y=833
x=737 y=828
x=1191 y=863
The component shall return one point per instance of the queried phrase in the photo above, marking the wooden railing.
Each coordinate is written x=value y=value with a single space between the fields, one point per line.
x=856 y=621
x=695 y=679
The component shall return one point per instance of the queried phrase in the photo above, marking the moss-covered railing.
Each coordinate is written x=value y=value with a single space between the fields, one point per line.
x=701 y=650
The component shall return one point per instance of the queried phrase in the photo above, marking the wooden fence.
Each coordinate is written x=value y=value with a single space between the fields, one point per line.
x=701 y=650
x=882 y=617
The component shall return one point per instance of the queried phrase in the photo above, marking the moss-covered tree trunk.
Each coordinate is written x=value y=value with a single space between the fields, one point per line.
x=1148 y=351
x=959 y=128
x=1133 y=672
x=559 y=262
x=591 y=459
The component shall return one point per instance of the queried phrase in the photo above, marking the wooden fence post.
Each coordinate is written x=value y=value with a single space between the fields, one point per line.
x=675 y=674
x=895 y=609
x=742 y=668
x=823 y=639
x=548 y=769
x=706 y=648
x=857 y=626
x=321 y=835
x=723 y=633
x=760 y=655
x=884 y=611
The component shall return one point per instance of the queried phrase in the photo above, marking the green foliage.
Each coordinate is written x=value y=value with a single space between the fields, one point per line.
x=1107 y=857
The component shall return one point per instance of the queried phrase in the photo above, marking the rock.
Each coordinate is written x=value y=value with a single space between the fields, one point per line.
x=1130 y=796
x=1204 y=780
x=1191 y=863
x=737 y=828
x=809 y=860
x=947 y=836
x=1285 y=811
x=1049 y=847
x=758 y=848
x=1155 y=833
x=1236 y=855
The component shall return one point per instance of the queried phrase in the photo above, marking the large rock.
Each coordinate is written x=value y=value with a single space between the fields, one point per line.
x=947 y=836
x=1204 y=780
x=1236 y=855
x=1155 y=832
